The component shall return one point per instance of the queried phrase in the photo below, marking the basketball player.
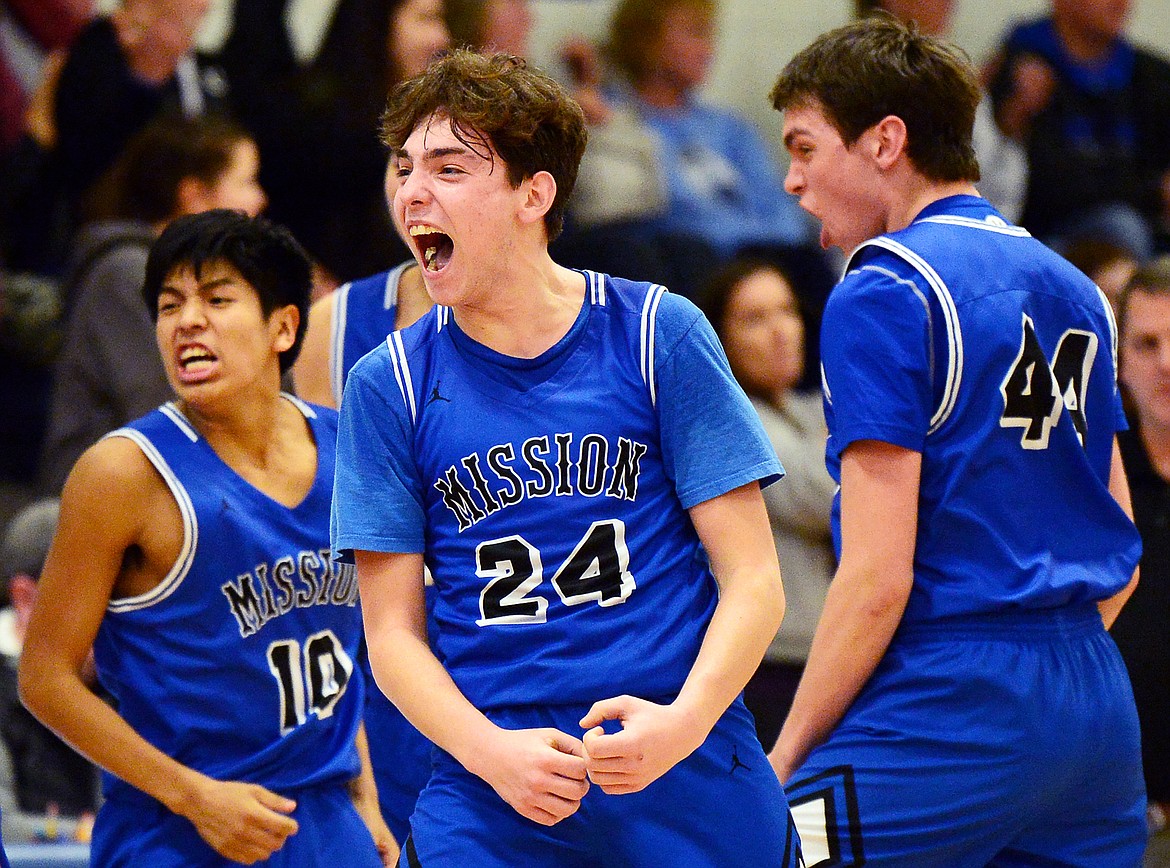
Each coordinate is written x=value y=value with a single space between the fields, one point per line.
x=344 y=326
x=962 y=704
x=570 y=456
x=192 y=554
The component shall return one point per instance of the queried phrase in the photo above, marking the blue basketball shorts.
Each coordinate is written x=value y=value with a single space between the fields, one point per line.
x=720 y=807
x=134 y=831
x=1009 y=740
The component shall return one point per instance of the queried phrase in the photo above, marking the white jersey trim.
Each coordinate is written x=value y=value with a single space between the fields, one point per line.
x=1113 y=337
x=402 y=373
x=182 y=565
x=647 y=336
x=305 y=408
x=954 y=375
x=991 y=223
x=172 y=412
x=393 y=278
x=595 y=283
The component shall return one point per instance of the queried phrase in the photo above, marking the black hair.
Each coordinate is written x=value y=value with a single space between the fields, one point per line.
x=264 y=253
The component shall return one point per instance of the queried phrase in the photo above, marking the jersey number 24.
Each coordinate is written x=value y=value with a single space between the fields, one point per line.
x=596 y=571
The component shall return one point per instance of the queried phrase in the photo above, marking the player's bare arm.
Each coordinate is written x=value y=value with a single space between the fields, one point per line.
x=539 y=772
x=119 y=533
x=734 y=530
x=866 y=599
x=1119 y=488
x=364 y=792
x=311 y=374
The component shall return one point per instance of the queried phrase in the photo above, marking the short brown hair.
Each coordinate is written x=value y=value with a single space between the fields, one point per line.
x=498 y=104
x=1152 y=278
x=876 y=67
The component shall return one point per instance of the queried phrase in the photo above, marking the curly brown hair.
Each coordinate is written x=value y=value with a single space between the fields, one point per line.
x=497 y=105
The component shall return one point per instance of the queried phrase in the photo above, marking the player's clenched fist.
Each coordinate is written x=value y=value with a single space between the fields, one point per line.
x=653 y=738
x=242 y=822
x=539 y=772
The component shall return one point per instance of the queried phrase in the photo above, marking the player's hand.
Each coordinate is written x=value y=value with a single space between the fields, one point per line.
x=242 y=822
x=539 y=772
x=652 y=740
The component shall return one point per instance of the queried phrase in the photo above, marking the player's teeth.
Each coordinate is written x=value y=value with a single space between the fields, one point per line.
x=429 y=257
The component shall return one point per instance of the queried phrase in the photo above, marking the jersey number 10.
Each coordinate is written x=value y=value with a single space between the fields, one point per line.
x=309 y=682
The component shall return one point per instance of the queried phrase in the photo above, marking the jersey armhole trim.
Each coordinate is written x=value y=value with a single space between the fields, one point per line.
x=954 y=369
x=182 y=565
x=647 y=336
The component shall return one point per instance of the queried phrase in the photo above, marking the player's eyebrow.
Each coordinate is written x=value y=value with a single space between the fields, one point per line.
x=434 y=153
x=792 y=134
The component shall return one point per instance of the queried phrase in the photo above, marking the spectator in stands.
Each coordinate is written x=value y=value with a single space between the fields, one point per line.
x=109 y=371
x=46 y=788
x=316 y=122
x=1093 y=111
x=1141 y=629
x=1110 y=265
x=755 y=312
x=491 y=25
x=1003 y=164
x=124 y=70
x=723 y=183
x=35 y=36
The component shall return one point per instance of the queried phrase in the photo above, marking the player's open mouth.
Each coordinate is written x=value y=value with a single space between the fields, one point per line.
x=196 y=360
x=434 y=246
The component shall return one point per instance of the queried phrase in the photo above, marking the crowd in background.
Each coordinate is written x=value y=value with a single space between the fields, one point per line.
x=113 y=124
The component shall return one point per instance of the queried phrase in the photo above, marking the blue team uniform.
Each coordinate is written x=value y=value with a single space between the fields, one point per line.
x=549 y=498
x=240 y=663
x=364 y=313
x=999 y=728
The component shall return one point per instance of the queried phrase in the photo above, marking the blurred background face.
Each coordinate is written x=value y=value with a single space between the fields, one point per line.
x=1093 y=19
x=933 y=16
x=507 y=26
x=418 y=32
x=239 y=185
x=1145 y=357
x=763 y=334
x=685 y=47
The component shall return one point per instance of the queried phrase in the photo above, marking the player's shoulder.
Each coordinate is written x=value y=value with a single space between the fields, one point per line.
x=637 y=296
x=115 y=470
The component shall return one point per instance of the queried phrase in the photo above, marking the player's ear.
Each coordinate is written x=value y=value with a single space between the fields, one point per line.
x=283 y=326
x=542 y=190
x=889 y=141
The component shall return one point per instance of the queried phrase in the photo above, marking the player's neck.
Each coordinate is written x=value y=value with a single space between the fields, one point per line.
x=241 y=421
x=524 y=313
x=919 y=193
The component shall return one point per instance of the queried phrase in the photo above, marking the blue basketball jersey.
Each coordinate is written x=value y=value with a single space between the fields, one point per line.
x=549 y=495
x=240 y=663
x=364 y=312
x=965 y=339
